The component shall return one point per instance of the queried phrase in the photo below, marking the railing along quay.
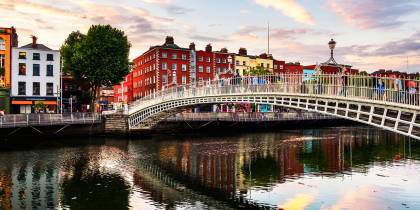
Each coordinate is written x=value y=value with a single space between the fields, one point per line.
x=249 y=117
x=25 y=120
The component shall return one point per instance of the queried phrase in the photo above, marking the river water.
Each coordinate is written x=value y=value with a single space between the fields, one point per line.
x=329 y=168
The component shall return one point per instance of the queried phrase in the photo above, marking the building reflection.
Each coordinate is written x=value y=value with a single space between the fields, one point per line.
x=233 y=165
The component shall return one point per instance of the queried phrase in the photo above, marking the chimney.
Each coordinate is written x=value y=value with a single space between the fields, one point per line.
x=263 y=56
x=242 y=51
x=192 y=46
x=34 y=44
x=169 y=40
x=14 y=37
x=208 y=48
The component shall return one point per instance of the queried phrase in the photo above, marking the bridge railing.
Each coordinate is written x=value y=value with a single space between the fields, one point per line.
x=23 y=120
x=387 y=89
x=249 y=117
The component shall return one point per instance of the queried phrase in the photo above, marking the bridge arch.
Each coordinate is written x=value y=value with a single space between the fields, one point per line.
x=358 y=104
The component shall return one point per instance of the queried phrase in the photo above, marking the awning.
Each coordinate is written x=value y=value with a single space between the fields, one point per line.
x=50 y=102
x=22 y=102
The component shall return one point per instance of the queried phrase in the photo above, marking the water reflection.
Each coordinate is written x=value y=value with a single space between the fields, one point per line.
x=316 y=169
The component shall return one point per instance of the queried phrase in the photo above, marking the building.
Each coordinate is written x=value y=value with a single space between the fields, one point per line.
x=35 y=77
x=245 y=63
x=333 y=69
x=278 y=66
x=8 y=40
x=123 y=93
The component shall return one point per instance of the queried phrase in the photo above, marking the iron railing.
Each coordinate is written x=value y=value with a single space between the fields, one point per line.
x=376 y=89
x=24 y=120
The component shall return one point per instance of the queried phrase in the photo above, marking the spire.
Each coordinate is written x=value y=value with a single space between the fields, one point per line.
x=268 y=38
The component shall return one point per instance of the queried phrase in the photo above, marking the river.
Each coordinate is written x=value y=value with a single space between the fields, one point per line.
x=326 y=168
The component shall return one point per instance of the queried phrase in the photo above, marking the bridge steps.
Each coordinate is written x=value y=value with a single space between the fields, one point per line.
x=116 y=124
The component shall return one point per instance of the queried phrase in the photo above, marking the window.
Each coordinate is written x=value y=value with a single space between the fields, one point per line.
x=36 y=57
x=208 y=69
x=268 y=65
x=200 y=58
x=22 y=68
x=208 y=59
x=184 y=80
x=50 y=57
x=174 y=66
x=184 y=67
x=184 y=57
x=164 y=66
x=200 y=68
x=21 y=88
x=22 y=55
x=35 y=89
x=262 y=65
x=164 y=79
x=35 y=70
x=217 y=60
x=164 y=55
x=218 y=70
x=173 y=55
x=50 y=70
x=281 y=66
x=224 y=60
x=2 y=44
x=2 y=60
x=243 y=63
x=50 y=89
x=275 y=66
x=200 y=79
x=224 y=70
x=237 y=62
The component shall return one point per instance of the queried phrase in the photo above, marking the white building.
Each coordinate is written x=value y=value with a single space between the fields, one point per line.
x=35 y=77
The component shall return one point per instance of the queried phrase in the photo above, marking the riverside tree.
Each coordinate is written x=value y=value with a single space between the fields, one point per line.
x=97 y=59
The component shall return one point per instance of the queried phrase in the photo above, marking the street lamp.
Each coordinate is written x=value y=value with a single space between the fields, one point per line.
x=331 y=45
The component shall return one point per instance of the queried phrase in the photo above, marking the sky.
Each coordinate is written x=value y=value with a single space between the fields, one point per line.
x=370 y=34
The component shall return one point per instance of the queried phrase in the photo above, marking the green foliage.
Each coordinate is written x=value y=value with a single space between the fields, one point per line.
x=99 y=58
x=259 y=70
x=67 y=50
x=40 y=106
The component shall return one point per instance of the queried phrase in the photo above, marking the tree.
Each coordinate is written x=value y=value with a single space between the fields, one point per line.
x=259 y=70
x=97 y=59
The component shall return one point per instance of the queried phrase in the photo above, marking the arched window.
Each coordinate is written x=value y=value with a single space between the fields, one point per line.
x=2 y=44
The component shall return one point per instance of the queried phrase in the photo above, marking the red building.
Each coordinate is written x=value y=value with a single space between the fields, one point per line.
x=293 y=68
x=123 y=93
x=333 y=69
x=278 y=66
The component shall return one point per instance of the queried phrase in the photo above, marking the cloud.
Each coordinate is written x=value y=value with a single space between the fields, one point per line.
x=177 y=10
x=366 y=14
x=208 y=38
x=289 y=8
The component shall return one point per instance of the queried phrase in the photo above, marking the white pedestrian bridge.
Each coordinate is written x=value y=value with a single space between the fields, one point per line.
x=388 y=103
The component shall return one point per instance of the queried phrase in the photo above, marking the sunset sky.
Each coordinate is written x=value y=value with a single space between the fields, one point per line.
x=370 y=34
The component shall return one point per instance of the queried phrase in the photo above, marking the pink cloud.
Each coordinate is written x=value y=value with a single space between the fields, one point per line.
x=289 y=8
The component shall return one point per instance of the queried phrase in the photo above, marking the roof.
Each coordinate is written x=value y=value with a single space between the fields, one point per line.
x=168 y=46
x=38 y=47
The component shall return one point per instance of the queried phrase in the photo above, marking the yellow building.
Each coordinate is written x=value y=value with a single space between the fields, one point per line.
x=245 y=63
x=8 y=39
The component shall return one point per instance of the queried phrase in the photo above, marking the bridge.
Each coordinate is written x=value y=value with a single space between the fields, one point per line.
x=388 y=103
